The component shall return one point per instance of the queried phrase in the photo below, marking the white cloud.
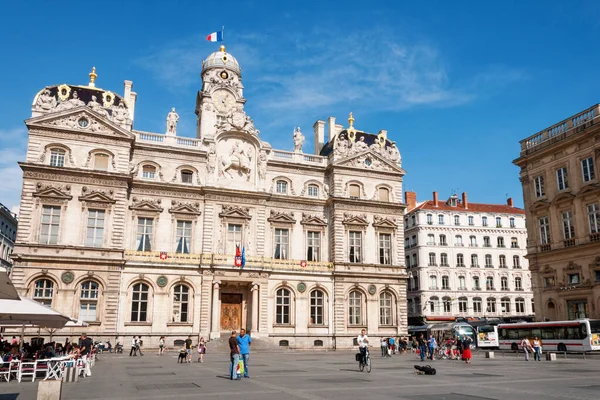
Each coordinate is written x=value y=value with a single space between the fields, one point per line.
x=13 y=148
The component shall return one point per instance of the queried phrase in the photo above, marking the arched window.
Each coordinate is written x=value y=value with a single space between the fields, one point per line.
x=445 y=282
x=88 y=301
x=101 y=161
x=139 y=302
x=472 y=241
x=476 y=283
x=283 y=304
x=429 y=219
x=456 y=220
x=505 y=305
x=408 y=262
x=433 y=282
x=431 y=239
x=317 y=307
x=512 y=222
x=386 y=309
x=520 y=305
x=43 y=291
x=491 y=305
x=486 y=241
x=434 y=304
x=514 y=243
x=462 y=283
x=281 y=187
x=463 y=304
x=148 y=172
x=57 y=157
x=187 y=176
x=355 y=308
x=447 y=304
x=458 y=241
x=384 y=194
x=501 y=241
x=181 y=309
x=354 y=191
x=484 y=221
x=443 y=241
x=504 y=283
x=432 y=261
x=518 y=284
x=444 y=260
x=488 y=261
x=477 y=305
x=498 y=222
x=460 y=260
x=502 y=260
x=313 y=191
x=474 y=261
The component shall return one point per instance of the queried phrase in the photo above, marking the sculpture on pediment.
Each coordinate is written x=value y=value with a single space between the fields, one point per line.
x=97 y=107
x=71 y=103
x=298 y=140
x=238 y=159
x=360 y=145
x=96 y=126
x=394 y=154
x=45 y=102
x=236 y=119
x=342 y=146
x=120 y=114
x=172 y=119
x=212 y=158
x=262 y=164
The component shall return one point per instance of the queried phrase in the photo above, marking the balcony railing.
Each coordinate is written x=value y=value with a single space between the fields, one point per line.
x=569 y=243
x=545 y=247
x=177 y=141
x=595 y=237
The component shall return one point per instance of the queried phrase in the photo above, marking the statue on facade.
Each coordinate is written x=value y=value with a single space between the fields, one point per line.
x=360 y=145
x=45 y=102
x=298 y=140
x=97 y=107
x=70 y=103
x=262 y=165
x=394 y=154
x=120 y=113
x=172 y=119
x=212 y=158
x=237 y=160
x=341 y=147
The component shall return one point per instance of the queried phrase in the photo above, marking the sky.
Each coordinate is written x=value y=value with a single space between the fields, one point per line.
x=457 y=84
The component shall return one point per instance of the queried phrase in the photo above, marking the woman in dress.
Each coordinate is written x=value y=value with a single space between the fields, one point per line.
x=161 y=346
x=466 y=349
x=537 y=349
x=201 y=350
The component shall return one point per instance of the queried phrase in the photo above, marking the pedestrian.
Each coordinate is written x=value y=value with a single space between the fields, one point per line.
x=526 y=345
x=393 y=345
x=133 y=351
x=244 y=343
x=138 y=344
x=85 y=352
x=466 y=352
x=432 y=344
x=537 y=349
x=234 y=356
x=414 y=345
x=201 y=349
x=459 y=346
x=161 y=346
x=383 y=347
x=422 y=347
x=189 y=347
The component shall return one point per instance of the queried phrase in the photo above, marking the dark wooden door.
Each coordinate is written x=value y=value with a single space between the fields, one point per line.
x=231 y=312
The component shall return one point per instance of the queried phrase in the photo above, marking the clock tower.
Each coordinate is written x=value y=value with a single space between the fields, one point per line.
x=221 y=93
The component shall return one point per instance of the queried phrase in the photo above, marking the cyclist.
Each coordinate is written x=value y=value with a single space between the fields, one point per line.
x=363 y=342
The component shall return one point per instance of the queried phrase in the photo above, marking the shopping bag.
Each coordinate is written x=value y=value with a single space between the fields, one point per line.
x=240 y=367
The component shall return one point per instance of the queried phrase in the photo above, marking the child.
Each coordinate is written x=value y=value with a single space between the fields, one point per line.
x=201 y=350
x=182 y=356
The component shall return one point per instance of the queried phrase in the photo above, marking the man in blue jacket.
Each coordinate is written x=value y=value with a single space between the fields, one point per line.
x=244 y=342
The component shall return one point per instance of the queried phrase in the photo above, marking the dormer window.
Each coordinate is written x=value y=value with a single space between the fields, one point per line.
x=282 y=187
x=57 y=157
x=384 y=194
x=101 y=161
x=148 y=172
x=354 y=191
x=187 y=176
x=313 y=191
x=452 y=202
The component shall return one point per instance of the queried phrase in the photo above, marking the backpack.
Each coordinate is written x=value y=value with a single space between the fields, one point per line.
x=358 y=357
x=425 y=370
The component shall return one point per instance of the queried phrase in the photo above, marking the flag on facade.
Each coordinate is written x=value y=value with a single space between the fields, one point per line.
x=243 y=256
x=163 y=255
x=215 y=37
x=237 y=260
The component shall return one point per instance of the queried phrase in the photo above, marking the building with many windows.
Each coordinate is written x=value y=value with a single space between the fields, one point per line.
x=8 y=233
x=142 y=233
x=561 y=189
x=465 y=259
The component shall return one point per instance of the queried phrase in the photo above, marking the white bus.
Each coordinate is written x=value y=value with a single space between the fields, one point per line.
x=487 y=336
x=577 y=335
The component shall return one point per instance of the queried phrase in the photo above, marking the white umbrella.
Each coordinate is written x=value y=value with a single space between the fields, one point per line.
x=76 y=323
x=29 y=312
x=7 y=290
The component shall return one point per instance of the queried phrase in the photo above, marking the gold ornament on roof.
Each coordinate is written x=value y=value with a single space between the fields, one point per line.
x=351 y=121
x=222 y=48
x=351 y=131
x=108 y=99
x=93 y=77
x=63 y=92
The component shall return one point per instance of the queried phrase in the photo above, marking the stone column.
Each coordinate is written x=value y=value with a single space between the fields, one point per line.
x=255 y=289
x=215 y=331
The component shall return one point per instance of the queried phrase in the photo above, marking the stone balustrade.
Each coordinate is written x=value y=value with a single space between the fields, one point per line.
x=176 y=141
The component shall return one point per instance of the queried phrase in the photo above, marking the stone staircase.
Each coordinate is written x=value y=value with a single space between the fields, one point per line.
x=221 y=346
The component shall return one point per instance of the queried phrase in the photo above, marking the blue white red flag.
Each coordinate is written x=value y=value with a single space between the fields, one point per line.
x=215 y=37
x=243 y=256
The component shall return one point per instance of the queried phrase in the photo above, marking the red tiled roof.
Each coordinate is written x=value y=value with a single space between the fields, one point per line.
x=473 y=207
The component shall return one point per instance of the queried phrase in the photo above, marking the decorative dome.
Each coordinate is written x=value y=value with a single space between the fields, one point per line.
x=221 y=59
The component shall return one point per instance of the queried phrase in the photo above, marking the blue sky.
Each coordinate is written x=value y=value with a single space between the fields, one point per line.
x=456 y=84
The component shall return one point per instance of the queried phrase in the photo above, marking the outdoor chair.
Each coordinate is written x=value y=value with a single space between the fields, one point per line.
x=41 y=369
x=4 y=370
x=26 y=369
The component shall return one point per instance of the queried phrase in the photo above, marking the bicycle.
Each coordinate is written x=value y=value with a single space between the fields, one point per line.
x=365 y=363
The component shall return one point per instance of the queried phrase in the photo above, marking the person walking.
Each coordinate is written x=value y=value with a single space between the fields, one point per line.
x=133 y=351
x=466 y=352
x=383 y=347
x=244 y=343
x=422 y=347
x=392 y=345
x=86 y=351
x=139 y=344
x=537 y=349
x=161 y=346
x=189 y=348
x=201 y=350
x=526 y=345
x=234 y=356
x=432 y=344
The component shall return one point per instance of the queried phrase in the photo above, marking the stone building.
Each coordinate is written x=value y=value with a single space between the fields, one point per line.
x=8 y=234
x=561 y=189
x=465 y=259
x=137 y=232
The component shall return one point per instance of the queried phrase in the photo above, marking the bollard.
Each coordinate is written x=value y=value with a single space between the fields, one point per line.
x=550 y=356
x=50 y=390
x=489 y=354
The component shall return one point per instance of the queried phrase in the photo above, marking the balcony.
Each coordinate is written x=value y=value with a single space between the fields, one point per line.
x=443 y=244
x=504 y=289
x=517 y=267
x=460 y=265
x=487 y=245
x=474 y=265
x=515 y=246
x=434 y=288
x=477 y=288
x=545 y=247
x=569 y=242
x=501 y=246
x=490 y=288
x=459 y=245
x=519 y=289
x=595 y=237
x=432 y=265
x=489 y=266
x=473 y=245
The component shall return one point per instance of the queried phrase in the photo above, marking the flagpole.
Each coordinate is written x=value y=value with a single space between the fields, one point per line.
x=223 y=33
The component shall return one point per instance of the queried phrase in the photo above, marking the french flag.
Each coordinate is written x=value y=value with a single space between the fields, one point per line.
x=215 y=37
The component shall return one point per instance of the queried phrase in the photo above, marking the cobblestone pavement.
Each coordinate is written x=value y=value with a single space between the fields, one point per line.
x=334 y=375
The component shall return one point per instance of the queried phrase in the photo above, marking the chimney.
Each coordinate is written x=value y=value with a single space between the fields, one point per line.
x=509 y=202
x=435 y=199
x=465 y=202
x=410 y=198
x=130 y=98
x=330 y=128
x=319 y=129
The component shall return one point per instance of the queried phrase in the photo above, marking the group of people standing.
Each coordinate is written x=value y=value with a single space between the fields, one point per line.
x=453 y=348
x=534 y=346
x=239 y=346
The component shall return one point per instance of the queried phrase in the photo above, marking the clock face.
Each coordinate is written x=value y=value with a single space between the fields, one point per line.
x=223 y=101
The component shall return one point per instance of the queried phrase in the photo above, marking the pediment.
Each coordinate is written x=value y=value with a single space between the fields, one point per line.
x=539 y=205
x=590 y=188
x=53 y=192
x=72 y=120
x=146 y=205
x=380 y=222
x=350 y=219
x=235 y=212
x=96 y=196
x=185 y=208
x=313 y=220
x=565 y=196
x=282 y=217
x=370 y=160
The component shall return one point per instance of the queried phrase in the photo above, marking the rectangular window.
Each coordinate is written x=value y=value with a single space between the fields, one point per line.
x=573 y=279
x=498 y=222
x=594 y=218
x=57 y=158
x=544 y=230
x=234 y=238
x=429 y=219
x=441 y=219
x=538 y=183
x=316 y=307
x=577 y=309
x=562 y=178
x=548 y=281
x=587 y=167
x=520 y=306
x=144 y=234
x=512 y=222
x=95 y=228
x=568 y=228
x=518 y=284
x=484 y=221
x=462 y=283
x=187 y=177
x=477 y=306
x=313 y=191
x=516 y=262
x=385 y=248
x=462 y=305
x=476 y=285
x=50 y=224
x=355 y=246
x=281 y=241
x=471 y=222
x=445 y=283
x=87 y=311
x=148 y=172
x=101 y=162
x=183 y=237
x=313 y=246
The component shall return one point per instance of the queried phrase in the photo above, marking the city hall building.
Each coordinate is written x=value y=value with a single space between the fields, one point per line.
x=137 y=232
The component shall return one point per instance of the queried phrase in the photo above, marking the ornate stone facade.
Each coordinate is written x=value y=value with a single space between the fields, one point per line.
x=137 y=232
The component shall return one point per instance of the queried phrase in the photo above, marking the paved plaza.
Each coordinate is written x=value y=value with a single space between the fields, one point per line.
x=333 y=375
